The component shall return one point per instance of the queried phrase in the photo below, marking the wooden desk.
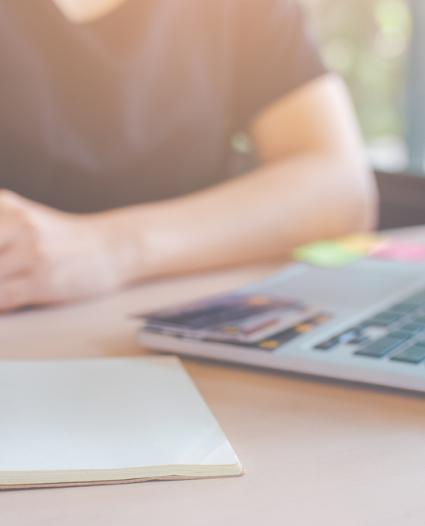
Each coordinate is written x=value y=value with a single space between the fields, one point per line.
x=315 y=452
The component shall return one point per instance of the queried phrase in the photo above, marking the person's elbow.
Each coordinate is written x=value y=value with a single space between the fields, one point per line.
x=359 y=197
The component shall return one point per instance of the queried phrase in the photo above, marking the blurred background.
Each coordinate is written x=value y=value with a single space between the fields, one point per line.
x=379 y=48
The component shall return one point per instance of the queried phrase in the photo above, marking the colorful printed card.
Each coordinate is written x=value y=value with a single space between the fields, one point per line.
x=243 y=318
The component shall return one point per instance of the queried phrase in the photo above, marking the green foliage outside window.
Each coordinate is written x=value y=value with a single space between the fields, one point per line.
x=366 y=41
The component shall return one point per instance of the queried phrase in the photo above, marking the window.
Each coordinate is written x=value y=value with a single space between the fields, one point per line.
x=377 y=47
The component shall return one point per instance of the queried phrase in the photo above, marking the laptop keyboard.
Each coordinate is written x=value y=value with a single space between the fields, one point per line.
x=397 y=333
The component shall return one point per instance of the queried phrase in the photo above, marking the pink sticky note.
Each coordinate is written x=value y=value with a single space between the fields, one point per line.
x=400 y=251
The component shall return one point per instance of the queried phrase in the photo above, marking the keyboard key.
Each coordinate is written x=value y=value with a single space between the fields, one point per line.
x=419 y=319
x=404 y=308
x=385 y=318
x=351 y=336
x=357 y=339
x=414 y=354
x=355 y=335
x=418 y=299
x=381 y=347
x=401 y=335
x=328 y=344
x=413 y=327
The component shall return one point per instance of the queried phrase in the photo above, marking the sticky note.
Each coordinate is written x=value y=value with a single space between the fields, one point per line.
x=326 y=254
x=360 y=243
x=403 y=251
x=338 y=252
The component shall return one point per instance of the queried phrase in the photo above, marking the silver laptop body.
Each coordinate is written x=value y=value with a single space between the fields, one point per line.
x=373 y=329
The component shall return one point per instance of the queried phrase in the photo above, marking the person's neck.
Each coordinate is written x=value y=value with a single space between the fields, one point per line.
x=85 y=10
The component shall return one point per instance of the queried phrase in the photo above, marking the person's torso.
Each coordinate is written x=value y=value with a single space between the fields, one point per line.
x=131 y=107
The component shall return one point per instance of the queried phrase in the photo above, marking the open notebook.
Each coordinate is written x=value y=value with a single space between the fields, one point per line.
x=106 y=421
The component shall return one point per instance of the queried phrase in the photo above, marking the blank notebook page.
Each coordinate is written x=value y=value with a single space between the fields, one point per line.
x=94 y=420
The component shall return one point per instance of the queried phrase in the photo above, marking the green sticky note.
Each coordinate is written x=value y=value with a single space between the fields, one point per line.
x=326 y=254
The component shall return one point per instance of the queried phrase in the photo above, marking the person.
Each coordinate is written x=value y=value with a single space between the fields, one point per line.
x=117 y=120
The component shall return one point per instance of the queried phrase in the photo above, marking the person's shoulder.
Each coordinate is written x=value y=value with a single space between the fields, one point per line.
x=237 y=20
x=259 y=14
x=241 y=9
x=259 y=8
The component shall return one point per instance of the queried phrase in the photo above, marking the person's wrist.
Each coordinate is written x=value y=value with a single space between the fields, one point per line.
x=121 y=239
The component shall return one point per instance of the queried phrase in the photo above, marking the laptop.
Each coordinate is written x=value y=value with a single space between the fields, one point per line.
x=363 y=323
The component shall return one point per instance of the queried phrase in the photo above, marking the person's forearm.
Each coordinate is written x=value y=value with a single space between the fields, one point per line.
x=257 y=216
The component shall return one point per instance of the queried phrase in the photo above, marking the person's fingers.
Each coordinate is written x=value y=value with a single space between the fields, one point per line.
x=16 y=293
x=14 y=260
x=13 y=217
x=10 y=231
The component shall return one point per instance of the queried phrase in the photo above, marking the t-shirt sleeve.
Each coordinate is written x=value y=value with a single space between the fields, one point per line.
x=275 y=54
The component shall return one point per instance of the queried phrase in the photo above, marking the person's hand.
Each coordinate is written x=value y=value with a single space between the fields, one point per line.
x=47 y=256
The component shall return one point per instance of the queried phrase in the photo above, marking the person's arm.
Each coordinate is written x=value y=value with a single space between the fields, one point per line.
x=313 y=183
x=84 y=10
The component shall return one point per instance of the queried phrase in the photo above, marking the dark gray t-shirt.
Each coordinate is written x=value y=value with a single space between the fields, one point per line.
x=140 y=104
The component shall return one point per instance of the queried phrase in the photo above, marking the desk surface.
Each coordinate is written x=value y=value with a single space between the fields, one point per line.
x=315 y=452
